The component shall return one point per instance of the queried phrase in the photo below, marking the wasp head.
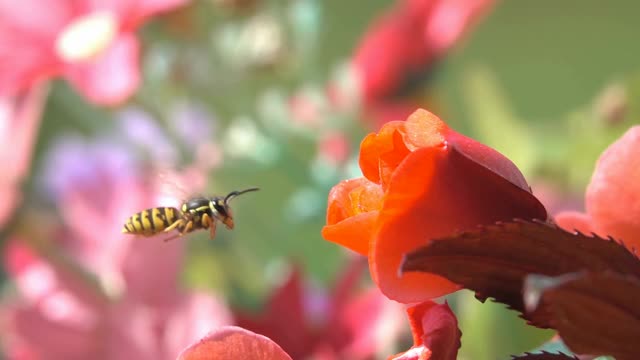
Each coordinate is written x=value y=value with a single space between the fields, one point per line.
x=221 y=206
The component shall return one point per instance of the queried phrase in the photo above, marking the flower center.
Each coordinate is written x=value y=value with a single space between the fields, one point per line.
x=87 y=37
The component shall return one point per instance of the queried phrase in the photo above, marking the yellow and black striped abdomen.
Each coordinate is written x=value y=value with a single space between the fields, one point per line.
x=151 y=221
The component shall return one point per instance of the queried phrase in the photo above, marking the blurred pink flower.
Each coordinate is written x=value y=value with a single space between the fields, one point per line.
x=612 y=199
x=334 y=148
x=434 y=327
x=344 y=324
x=139 y=310
x=90 y=43
x=100 y=184
x=306 y=111
x=19 y=123
x=232 y=342
x=61 y=316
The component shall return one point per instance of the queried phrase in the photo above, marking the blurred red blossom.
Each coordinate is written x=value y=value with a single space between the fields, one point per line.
x=90 y=43
x=408 y=39
x=136 y=309
x=422 y=180
x=399 y=51
x=19 y=123
x=343 y=324
x=612 y=198
x=435 y=333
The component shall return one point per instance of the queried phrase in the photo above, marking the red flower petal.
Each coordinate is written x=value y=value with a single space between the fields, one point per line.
x=613 y=196
x=113 y=77
x=424 y=129
x=436 y=327
x=353 y=197
x=351 y=214
x=231 y=342
x=380 y=153
x=489 y=158
x=354 y=233
x=435 y=333
x=436 y=192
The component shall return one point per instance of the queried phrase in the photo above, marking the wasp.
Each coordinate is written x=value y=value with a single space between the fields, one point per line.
x=194 y=214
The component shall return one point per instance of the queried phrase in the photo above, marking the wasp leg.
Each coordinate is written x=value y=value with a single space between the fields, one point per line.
x=206 y=221
x=173 y=237
x=188 y=227
x=176 y=224
x=212 y=230
x=181 y=230
x=209 y=223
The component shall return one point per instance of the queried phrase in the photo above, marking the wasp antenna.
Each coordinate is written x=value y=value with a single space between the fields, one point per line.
x=233 y=194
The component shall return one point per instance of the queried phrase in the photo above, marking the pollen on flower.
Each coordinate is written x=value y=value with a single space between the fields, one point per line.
x=87 y=37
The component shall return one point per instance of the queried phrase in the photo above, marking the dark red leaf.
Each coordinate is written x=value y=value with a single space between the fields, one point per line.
x=494 y=260
x=594 y=313
x=544 y=356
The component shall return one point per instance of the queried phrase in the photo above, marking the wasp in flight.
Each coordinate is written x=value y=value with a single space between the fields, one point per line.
x=194 y=214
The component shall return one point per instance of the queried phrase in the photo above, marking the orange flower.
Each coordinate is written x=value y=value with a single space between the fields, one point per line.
x=421 y=181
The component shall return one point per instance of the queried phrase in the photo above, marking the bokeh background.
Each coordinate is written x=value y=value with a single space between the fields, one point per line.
x=263 y=93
